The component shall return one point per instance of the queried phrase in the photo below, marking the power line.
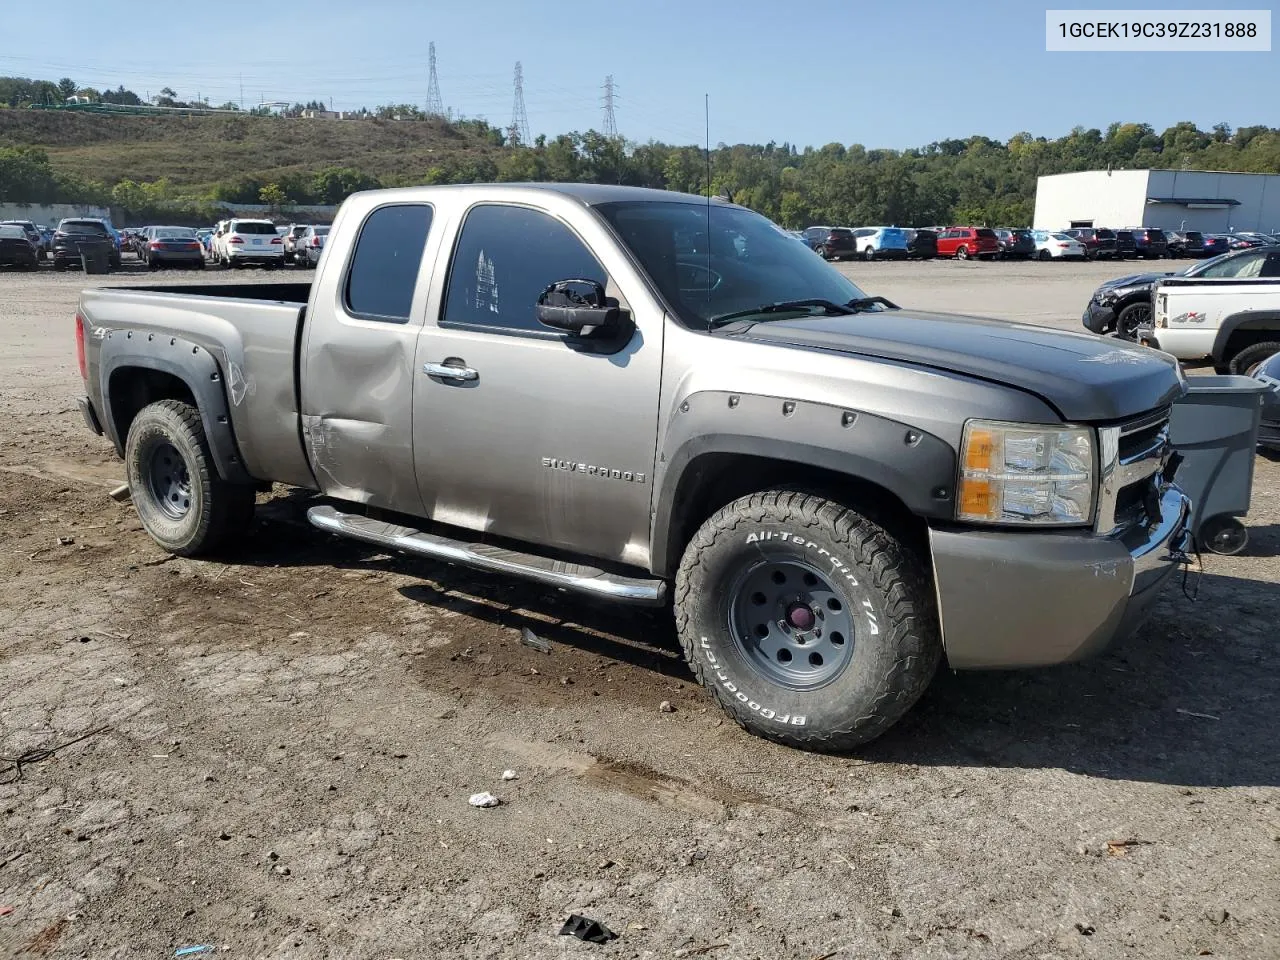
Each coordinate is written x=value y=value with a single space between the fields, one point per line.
x=610 y=120
x=519 y=117
x=435 y=103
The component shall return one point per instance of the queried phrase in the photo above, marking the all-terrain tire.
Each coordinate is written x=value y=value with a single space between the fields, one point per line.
x=895 y=646
x=213 y=512
x=1244 y=362
x=1132 y=317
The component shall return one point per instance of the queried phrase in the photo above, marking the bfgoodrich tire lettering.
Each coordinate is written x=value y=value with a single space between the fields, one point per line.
x=895 y=647
x=210 y=510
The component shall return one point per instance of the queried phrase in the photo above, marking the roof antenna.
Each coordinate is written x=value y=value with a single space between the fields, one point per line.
x=706 y=106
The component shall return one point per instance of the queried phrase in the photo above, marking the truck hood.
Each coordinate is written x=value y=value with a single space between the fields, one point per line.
x=1085 y=378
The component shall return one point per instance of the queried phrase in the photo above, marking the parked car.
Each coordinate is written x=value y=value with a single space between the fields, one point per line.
x=1016 y=244
x=1148 y=243
x=46 y=237
x=834 y=243
x=1215 y=244
x=1229 y=313
x=1124 y=304
x=1057 y=246
x=76 y=235
x=1184 y=243
x=884 y=243
x=1099 y=242
x=290 y=238
x=247 y=242
x=1126 y=245
x=966 y=242
x=205 y=236
x=1249 y=238
x=922 y=244
x=172 y=247
x=995 y=540
x=310 y=245
x=32 y=234
x=15 y=248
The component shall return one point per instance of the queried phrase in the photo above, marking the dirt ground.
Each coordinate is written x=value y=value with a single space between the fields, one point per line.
x=292 y=735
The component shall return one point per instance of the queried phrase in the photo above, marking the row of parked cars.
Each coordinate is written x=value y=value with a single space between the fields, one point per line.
x=986 y=243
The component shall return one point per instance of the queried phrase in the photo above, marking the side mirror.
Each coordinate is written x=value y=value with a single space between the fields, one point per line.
x=577 y=306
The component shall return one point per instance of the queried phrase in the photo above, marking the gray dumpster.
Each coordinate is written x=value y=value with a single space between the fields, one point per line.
x=1215 y=429
x=96 y=258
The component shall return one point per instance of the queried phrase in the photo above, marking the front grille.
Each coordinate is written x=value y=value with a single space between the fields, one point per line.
x=1137 y=450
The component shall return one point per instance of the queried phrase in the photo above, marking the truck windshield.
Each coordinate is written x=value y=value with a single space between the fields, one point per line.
x=745 y=262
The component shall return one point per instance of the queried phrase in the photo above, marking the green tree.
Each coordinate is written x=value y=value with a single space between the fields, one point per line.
x=67 y=87
x=273 y=196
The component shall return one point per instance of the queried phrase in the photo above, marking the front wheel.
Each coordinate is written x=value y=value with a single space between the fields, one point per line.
x=1132 y=317
x=181 y=501
x=811 y=624
x=869 y=254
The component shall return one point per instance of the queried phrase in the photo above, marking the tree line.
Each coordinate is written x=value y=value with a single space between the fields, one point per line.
x=972 y=180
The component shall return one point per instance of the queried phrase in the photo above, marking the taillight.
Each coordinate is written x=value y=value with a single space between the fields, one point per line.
x=277 y=240
x=236 y=240
x=315 y=241
x=84 y=369
x=154 y=245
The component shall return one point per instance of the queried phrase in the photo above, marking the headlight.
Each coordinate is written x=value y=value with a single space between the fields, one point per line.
x=1025 y=474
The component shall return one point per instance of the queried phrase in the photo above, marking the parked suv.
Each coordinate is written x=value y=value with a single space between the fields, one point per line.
x=1184 y=243
x=1149 y=243
x=965 y=242
x=76 y=235
x=882 y=242
x=1016 y=244
x=1099 y=242
x=308 y=247
x=250 y=241
x=922 y=244
x=833 y=243
x=291 y=240
x=1126 y=244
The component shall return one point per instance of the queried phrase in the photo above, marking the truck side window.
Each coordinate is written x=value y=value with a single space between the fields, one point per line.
x=1272 y=267
x=506 y=256
x=384 y=266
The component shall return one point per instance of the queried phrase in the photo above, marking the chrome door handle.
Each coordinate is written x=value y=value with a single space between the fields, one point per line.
x=448 y=372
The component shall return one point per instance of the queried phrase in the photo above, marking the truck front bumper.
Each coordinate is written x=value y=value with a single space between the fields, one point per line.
x=1030 y=599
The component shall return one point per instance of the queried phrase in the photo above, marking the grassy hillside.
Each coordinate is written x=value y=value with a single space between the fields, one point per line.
x=196 y=153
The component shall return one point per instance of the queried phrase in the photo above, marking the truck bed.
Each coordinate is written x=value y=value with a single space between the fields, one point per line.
x=250 y=329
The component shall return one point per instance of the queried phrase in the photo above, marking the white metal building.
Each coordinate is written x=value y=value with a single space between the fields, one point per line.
x=1209 y=201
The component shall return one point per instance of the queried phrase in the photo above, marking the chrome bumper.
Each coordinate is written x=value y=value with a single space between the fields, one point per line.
x=1029 y=599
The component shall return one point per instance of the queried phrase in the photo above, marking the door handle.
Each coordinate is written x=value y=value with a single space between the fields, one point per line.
x=446 y=371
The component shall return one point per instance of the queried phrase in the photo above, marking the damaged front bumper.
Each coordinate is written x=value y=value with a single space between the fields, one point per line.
x=1029 y=599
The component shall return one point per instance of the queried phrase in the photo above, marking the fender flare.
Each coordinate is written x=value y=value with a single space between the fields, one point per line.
x=1246 y=320
x=193 y=365
x=915 y=466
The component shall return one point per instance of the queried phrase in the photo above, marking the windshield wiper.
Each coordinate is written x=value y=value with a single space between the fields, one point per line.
x=862 y=303
x=782 y=306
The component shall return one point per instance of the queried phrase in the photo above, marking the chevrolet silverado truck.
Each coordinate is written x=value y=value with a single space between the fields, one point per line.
x=654 y=398
x=1229 y=315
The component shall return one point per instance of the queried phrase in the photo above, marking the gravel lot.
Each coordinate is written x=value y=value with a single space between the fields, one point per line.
x=293 y=736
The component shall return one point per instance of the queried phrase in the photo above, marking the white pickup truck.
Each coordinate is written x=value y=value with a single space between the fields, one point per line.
x=1233 y=321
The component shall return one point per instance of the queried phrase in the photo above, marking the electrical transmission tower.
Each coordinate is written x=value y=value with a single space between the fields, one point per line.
x=519 y=118
x=610 y=120
x=435 y=104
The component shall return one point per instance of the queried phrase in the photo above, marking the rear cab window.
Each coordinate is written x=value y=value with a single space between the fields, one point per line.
x=383 y=271
x=505 y=256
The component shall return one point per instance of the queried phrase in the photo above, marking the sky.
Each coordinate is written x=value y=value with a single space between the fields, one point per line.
x=883 y=74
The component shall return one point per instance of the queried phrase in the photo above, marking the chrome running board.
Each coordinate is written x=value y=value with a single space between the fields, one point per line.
x=483 y=556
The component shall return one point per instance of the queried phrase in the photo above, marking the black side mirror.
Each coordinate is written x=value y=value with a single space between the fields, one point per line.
x=578 y=306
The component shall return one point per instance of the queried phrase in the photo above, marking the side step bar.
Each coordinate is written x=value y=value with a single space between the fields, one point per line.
x=483 y=556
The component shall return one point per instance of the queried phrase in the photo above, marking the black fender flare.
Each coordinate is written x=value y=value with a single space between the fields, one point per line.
x=1246 y=320
x=915 y=466
x=193 y=365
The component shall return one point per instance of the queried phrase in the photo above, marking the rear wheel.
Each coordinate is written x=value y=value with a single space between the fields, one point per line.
x=869 y=253
x=820 y=640
x=1247 y=361
x=1046 y=255
x=181 y=501
x=962 y=253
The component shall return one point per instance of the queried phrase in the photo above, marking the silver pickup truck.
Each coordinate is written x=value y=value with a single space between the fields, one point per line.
x=654 y=398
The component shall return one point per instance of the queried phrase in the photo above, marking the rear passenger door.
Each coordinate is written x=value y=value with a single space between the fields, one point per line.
x=539 y=436
x=357 y=360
